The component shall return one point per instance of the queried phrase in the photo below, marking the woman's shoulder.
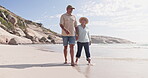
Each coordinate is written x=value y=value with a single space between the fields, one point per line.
x=79 y=26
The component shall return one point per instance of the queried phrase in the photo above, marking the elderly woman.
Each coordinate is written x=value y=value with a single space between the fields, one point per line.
x=84 y=39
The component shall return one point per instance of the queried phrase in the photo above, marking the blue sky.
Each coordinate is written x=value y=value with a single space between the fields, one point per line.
x=126 y=19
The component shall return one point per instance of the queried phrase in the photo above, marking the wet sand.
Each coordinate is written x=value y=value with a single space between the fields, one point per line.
x=114 y=68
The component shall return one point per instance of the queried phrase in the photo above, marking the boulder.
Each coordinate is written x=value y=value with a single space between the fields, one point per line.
x=3 y=39
x=12 y=19
x=50 y=37
x=33 y=33
x=44 y=40
x=13 y=41
x=53 y=41
x=33 y=38
x=17 y=40
x=6 y=37
x=20 y=32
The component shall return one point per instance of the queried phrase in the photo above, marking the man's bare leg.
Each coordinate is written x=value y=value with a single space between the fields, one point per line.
x=72 y=54
x=65 y=54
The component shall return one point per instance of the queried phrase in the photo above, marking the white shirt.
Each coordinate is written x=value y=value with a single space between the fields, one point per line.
x=83 y=34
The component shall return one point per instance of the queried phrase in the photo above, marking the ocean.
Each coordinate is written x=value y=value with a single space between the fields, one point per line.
x=107 y=51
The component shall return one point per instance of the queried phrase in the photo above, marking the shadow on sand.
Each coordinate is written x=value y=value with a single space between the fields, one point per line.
x=23 y=66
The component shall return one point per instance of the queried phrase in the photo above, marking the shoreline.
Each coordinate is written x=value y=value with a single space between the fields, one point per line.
x=21 y=61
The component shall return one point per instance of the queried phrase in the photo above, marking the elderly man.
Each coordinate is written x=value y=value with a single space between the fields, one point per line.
x=69 y=28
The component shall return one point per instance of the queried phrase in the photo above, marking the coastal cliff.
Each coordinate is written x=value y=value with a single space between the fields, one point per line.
x=17 y=30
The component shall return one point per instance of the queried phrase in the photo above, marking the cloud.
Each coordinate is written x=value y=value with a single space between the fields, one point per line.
x=110 y=7
x=38 y=21
x=55 y=16
x=119 y=13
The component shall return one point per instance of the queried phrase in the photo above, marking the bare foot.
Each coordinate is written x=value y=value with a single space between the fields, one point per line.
x=76 y=63
x=90 y=64
x=65 y=62
x=88 y=60
x=72 y=64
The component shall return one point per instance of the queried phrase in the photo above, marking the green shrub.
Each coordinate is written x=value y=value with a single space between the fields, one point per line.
x=4 y=22
x=1 y=11
x=10 y=26
x=7 y=24
x=5 y=12
x=21 y=24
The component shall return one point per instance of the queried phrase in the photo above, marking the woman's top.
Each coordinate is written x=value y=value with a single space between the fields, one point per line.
x=83 y=34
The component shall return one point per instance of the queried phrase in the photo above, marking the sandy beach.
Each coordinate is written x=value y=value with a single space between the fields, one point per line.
x=30 y=62
x=46 y=61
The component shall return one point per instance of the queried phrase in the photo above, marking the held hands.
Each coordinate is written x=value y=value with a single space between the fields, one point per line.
x=67 y=32
x=90 y=43
x=76 y=37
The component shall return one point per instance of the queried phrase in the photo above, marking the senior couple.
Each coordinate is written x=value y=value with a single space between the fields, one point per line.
x=72 y=32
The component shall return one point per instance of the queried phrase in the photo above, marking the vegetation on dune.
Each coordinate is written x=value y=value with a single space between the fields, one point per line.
x=30 y=22
x=4 y=22
x=52 y=32
x=5 y=12
x=7 y=24
x=21 y=24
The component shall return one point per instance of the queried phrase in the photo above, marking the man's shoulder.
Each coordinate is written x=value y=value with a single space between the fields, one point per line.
x=73 y=15
x=63 y=15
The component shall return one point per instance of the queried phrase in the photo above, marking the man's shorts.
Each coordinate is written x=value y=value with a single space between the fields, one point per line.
x=68 y=40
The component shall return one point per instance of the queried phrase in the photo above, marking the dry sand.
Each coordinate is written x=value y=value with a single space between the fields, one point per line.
x=29 y=62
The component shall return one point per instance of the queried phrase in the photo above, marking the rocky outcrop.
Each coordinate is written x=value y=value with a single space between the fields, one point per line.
x=12 y=19
x=3 y=39
x=19 y=30
x=18 y=40
x=45 y=40
x=6 y=37
x=109 y=40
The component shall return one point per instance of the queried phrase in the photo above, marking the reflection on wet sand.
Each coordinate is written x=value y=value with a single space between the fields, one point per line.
x=84 y=69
